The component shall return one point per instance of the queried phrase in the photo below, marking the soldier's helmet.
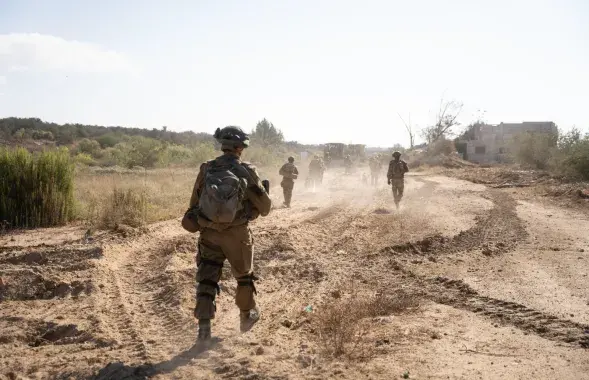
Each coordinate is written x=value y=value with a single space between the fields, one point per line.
x=291 y=159
x=396 y=154
x=232 y=137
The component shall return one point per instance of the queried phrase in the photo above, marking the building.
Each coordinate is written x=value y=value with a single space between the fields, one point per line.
x=489 y=143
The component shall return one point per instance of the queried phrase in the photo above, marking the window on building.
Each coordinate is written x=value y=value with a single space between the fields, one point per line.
x=479 y=150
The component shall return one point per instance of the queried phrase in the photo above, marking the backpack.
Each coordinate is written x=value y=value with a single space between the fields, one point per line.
x=287 y=171
x=223 y=193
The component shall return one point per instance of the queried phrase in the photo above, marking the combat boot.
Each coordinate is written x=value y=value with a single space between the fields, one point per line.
x=204 y=329
x=247 y=319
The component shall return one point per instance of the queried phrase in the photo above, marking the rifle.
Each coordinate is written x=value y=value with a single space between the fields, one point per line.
x=266 y=185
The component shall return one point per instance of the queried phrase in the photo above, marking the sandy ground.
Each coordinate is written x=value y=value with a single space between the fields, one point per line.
x=502 y=285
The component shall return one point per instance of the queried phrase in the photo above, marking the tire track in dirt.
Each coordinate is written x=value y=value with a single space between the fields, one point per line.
x=114 y=312
x=140 y=293
x=458 y=294
x=498 y=231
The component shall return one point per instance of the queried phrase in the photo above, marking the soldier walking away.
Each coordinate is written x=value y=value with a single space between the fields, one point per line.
x=327 y=160
x=315 y=172
x=289 y=173
x=375 y=168
x=348 y=164
x=396 y=176
x=322 y=170
x=227 y=195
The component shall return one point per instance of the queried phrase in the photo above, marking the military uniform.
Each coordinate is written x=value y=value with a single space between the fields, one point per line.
x=375 y=168
x=316 y=169
x=348 y=164
x=396 y=178
x=229 y=241
x=289 y=173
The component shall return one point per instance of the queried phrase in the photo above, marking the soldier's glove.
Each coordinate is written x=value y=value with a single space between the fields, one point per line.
x=266 y=185
x=389 y=181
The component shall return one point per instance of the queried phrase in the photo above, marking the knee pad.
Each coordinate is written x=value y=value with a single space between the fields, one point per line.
x=248 y=280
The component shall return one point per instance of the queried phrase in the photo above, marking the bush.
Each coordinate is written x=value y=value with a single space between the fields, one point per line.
x=36 y=190
x=108 y=140
x=441 y=147
x=571 y=157
x=342 y=324
x=532 y=149
x=141 y=151
x=176 y=155
x=84 y=159
x=127 y=207
x=91 y=147
x=42 y=135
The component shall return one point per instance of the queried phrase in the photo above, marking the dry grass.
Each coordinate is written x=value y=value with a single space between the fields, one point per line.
x=342 y=325
x=132 y=197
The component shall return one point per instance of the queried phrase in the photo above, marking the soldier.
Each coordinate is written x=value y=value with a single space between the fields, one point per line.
x=289 y=173
x=375 y=168
x=227 y=195
x=348 y=164
x=315 y=170
x=327 y=159
x=396 y=176
x=321 y=169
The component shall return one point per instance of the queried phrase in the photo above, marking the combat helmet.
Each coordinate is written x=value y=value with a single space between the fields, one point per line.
x=396 y=154
x=291 y=159
x=232 y=137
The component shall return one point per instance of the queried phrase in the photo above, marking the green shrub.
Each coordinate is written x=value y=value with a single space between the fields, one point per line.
x=108 y=140
x=91 y=147
x=571 y=157
x=140 y=151
x=84 y=159
x=36 y=190
x=42 y=135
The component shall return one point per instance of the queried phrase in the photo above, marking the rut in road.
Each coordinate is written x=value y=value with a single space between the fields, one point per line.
x=498 y=231
x=458 y=294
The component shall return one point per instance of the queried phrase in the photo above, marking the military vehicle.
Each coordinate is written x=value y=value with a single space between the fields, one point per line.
x=334 y=153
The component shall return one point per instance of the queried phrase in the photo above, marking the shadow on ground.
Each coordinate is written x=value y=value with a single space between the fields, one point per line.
x=118 y=370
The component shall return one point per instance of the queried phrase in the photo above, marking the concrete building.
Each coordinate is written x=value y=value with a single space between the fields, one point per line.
x=490 y=143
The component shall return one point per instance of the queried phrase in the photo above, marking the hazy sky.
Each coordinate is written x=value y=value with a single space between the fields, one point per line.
x=319 y=70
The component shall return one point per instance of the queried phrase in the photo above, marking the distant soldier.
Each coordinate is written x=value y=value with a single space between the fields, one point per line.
x=321 y=170
x=327 y=159
x=375 y=167
x=396 y=176
x=315 y=171
x=289 y=173
x=348 y=164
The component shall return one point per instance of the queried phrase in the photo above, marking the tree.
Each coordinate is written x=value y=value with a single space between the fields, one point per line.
x=409 y=128
x=445 y=121
x=91 y=147
x=267 y=134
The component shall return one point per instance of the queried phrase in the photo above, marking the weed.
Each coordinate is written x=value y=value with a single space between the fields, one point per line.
x=127 y=207
x=342 y=324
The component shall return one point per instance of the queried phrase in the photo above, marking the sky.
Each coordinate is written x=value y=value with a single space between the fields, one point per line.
x=319 y=70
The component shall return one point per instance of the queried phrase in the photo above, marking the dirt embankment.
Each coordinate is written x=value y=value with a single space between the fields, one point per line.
x=491 y=287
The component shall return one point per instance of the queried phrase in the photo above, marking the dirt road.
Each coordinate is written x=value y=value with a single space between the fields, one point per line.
x=502 y=286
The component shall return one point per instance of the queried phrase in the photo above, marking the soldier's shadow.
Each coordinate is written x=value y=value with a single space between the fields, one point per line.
x=118 y=370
